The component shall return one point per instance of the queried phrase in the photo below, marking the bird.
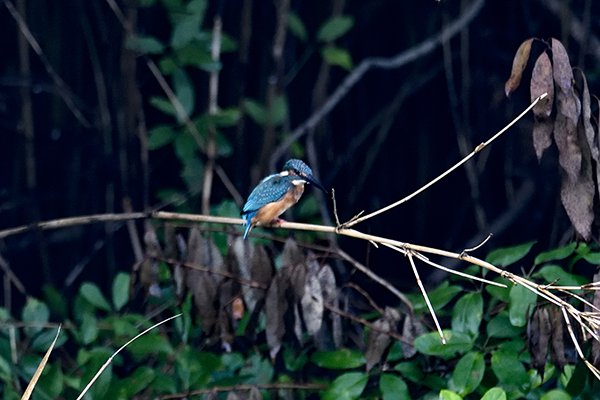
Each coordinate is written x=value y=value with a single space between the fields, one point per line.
x=276 y=193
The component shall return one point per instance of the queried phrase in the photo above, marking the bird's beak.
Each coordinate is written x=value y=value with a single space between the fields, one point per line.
x=312 y=180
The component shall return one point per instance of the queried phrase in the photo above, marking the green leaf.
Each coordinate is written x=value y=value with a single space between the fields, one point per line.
x=193 y=174
x=34 y=315
x=411 y=371
x=337 y=56
x=185 y=148
x=334 y=28
x=556 y=394
x=139 y=380
x=94 y=296
x=89 y=329
x=499 y=293
x=184 y=90
x=439 y=297
x=160 y=136
x=338 y=359
x=163 y=104
x=509 y=370
x=56 y=301
x=120 y=290
x=393 y=387
x=468 y=373
x=296 y=26
x=148 y=344
x=457 y=343
x=592 y=258
x=347 y=386
x=509 y=255
x=467 y=314
x=446 y=394
x=494 y=393
x=556 y=275
x=187 y=27
x=521 y=304
x=501 y=328
x=278 y=111
x=144 y=44
x=559 y=253
x=256 y=111
x=226 y=117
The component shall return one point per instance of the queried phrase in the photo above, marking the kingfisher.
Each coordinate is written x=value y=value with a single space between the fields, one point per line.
x=276 y=193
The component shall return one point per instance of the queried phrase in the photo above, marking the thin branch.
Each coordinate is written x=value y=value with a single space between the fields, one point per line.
x=107 y=363
x=448 y=171
x=40 y=369
x=399 y=60
x=426 y=297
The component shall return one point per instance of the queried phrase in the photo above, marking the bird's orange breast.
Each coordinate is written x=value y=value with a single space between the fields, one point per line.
x=271 y=211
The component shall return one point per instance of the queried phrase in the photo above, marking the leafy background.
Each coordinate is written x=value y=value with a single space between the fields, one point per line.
x=88 y=129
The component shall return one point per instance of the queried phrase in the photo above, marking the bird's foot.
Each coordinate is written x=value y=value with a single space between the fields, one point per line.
x=277 y=221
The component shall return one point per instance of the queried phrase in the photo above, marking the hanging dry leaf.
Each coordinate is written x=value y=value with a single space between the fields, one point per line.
x=542 y=82
x=377 y=341
x=276 y=305
x=203 y=285
x=538 y=338
x=312 y=302
x=291 y=254
x=577 y=199
x=557 y=353
x=228 y=291
x=518 y=66
x=253 y=264
x=411 y=328
x=149 y=267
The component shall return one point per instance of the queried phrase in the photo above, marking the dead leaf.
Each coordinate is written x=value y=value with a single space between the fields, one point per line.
x=542 y=82
x=411 y=328
x=377 y=341
x=312 y=302
x=557 y=353
x=518 y=66
x=276 y=305
x=203 y=285
x=538 y=338
x=149 y=268
x=253 y=264
x=291 y=254
x=577 y=199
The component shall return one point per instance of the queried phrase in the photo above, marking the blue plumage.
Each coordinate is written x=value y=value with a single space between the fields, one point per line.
x=268 y=199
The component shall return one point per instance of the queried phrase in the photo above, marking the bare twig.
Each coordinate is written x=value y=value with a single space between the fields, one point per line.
x=426 y=297
x=401 y=59
x=448 y=171
x=107 y=363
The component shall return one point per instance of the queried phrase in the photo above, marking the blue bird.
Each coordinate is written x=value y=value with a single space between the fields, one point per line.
x=276 y=193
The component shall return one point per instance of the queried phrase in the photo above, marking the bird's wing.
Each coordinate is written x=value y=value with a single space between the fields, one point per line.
x=270 y=189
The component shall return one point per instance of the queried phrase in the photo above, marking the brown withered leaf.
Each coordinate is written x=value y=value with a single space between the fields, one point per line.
x=562 y=70
x=377 y=341
x=297 y=280
x=577 y=199
x=276 y=305
x=291 y=254
x=557 y=353
x=203 y=285
x=312 y=301
x=411 y=328
x=542 y=82
x=228 y=291
x=149 y=267
x=518 y=66
x=538 y=338
x=253 y=264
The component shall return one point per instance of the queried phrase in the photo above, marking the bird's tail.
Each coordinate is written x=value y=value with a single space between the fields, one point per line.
x=248 y=219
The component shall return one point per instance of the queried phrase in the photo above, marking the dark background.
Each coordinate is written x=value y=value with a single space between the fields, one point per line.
x=66 y=168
